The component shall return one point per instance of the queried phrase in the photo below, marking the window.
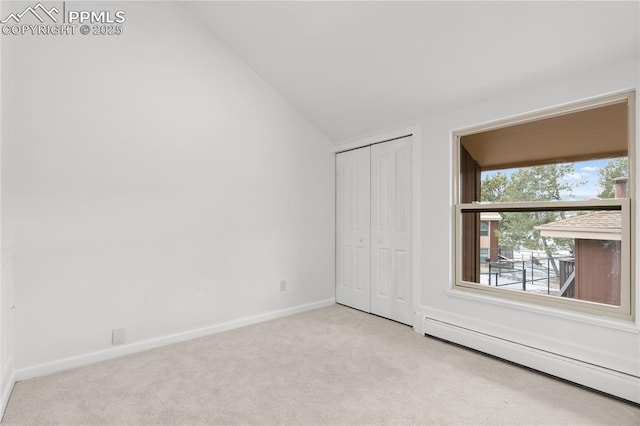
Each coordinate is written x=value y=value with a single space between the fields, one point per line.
x=484 y=255
x=543 y=207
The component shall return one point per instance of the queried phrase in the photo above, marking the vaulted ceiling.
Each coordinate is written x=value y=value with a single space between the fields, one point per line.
x=356 y=67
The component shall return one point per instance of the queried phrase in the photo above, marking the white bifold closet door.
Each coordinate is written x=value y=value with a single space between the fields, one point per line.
x=374 y=229
x=353 y=236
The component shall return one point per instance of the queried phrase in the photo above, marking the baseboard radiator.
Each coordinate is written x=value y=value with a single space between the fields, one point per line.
x=606 y=380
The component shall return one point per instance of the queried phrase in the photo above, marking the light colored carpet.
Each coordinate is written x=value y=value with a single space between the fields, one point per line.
x=331 y=365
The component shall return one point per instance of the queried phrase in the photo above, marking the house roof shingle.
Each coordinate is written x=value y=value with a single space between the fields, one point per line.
x=607 y=224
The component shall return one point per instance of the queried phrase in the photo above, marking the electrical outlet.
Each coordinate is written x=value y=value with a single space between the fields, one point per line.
x=283 y=285
x=117 y=336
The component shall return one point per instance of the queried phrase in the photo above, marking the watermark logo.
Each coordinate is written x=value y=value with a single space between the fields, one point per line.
x=33 y=10
x=59 y=19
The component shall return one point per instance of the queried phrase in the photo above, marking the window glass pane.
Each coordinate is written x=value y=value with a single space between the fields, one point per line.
x=573 y=254
x=581 y=180
x=484 y=228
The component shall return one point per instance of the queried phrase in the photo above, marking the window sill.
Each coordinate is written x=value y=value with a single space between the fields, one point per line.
x=627 y=326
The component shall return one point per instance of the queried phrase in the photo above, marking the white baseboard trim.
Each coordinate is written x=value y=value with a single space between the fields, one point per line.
x=615 y=383
x=8 y=381
x=127 y=349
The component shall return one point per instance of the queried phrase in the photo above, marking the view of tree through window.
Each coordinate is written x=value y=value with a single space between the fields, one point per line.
x=615 y=168
x=525 y=242
x=543 y=207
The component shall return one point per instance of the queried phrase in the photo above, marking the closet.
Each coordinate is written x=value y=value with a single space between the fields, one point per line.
x=373 y=229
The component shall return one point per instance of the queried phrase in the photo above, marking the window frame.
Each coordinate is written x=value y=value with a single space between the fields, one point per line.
x=626 y=310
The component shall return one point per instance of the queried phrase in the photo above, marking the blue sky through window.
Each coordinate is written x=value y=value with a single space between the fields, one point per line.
x=584 y=171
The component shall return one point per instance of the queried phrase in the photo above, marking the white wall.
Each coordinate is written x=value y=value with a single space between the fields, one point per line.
x=6 y=326
x=614 y=345
x=157 y=184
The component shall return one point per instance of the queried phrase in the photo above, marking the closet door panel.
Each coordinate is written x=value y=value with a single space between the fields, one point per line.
x=353 y=228
x=391 y=230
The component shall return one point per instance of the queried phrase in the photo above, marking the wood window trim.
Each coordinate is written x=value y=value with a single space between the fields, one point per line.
x=568 y=137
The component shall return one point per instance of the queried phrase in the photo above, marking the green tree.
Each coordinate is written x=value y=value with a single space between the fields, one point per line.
x=493 y=187
x=538 y=183
x=617 y=167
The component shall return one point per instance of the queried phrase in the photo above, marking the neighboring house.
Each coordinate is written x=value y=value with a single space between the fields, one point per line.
x=489 y=223
x=594 y=272
x=596 y=256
